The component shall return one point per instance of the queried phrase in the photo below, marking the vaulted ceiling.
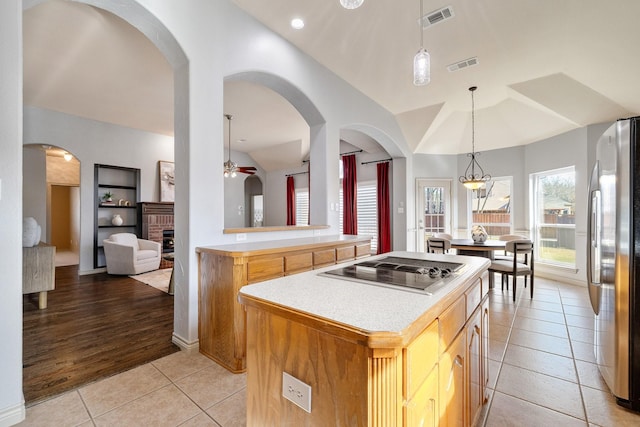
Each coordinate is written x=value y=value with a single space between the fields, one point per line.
x=544 y=67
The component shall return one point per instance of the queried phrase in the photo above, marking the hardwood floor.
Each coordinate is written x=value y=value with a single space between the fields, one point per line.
x=94 y=326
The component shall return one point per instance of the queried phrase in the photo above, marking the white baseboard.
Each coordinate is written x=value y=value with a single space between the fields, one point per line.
x=561 y=275
x=12 y=415
x=184 y=345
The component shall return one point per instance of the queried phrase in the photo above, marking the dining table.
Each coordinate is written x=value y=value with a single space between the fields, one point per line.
x=485 y=249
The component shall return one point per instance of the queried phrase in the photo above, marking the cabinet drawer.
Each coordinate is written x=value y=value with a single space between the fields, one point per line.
x=345 y=253
x=421 y=356
x=264 y=269
x=422 y=409
x=324 y=257
x=451 y=322
x=297 y=263
x=484 y=284
x=363 y=250
x=473 y=295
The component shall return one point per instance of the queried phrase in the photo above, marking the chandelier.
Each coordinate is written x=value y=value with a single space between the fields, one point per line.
x=351 y=4
x=473 y=179
x=230 y=167
x=422 y=60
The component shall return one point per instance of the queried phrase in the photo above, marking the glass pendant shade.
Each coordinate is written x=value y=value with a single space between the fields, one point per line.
x=351 y=4
x=421 y=68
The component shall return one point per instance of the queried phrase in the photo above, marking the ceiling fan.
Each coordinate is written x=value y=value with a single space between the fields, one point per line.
x=231 y=168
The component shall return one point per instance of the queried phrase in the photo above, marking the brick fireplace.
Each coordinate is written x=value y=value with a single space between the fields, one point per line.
x=156 y=224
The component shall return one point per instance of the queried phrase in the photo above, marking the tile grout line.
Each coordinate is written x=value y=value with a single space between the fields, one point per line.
x=575 y=365
x=504 y=352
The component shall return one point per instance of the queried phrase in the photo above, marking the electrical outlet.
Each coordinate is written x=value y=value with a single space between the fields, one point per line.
x=296 y=391
x=241 y=236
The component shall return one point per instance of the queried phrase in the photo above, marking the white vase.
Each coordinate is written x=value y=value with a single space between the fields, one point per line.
x=478 y=234
x=116 y=220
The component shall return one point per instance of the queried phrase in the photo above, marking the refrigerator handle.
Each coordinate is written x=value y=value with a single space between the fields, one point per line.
x=593 y=244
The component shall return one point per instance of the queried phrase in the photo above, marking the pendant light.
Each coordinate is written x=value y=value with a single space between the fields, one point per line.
x=230 y=168
x=351 y=4
x=473 y=179
x=422 y=60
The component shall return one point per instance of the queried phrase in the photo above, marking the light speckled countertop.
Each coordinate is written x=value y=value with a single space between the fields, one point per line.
x=282 y=245
x=362 y=306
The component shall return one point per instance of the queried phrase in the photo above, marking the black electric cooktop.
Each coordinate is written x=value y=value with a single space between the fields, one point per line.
x=409 y=273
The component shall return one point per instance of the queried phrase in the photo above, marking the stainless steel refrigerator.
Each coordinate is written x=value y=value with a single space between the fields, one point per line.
x=613 y=259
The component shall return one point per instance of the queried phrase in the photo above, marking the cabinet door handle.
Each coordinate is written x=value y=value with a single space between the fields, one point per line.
x=457 y=361
x=433 y=411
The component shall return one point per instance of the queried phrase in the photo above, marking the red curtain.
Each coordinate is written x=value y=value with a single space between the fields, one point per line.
x=349 y=195
x=291 y=201
x=384 y=212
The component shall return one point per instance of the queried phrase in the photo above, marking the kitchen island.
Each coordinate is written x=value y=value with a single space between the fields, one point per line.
x=369 y=355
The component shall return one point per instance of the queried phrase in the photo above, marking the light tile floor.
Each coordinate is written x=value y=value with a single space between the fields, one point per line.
x=542 y=373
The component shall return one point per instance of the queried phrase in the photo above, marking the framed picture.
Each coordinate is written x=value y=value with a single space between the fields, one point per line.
x=167 y=181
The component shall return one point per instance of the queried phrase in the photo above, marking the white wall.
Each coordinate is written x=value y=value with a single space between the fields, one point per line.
x=94 y=142
x=11 y=398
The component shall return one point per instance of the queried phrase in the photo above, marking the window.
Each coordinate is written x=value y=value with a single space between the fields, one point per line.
x=302 y=206
x=553 y=203
x=367 y=212
x=491 y=207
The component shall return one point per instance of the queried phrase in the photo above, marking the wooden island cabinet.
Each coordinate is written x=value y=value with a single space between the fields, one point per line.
x=223 y=270
x=371 y=355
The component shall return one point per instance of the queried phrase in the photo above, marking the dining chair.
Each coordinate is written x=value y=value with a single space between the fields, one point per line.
x=438 y=245
x=515 y=267
x=443 y=236
x=507 y=238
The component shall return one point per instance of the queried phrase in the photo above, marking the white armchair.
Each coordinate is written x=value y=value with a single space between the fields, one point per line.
x=126 y=254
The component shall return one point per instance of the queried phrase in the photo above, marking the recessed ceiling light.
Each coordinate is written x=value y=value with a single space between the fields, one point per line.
x=297 y=23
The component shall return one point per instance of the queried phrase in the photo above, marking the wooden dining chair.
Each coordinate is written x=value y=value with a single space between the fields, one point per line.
x=516 y=266
x=438 y=245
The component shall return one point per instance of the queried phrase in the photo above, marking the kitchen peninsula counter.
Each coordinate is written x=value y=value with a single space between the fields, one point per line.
x=224 y=269
x=372 y=355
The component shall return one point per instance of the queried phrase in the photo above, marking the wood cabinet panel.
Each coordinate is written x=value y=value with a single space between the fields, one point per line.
x=452 y=368
x=324 y=257
x=422 y=410
x=261 y=269
x=485 y=348
x=363 y=250
x=296 y=263
x=337 y=371
x=451 y=322
x=419 y=356
x=473 y=297
x=218 y=337
x=345 y=253
x=475 y=391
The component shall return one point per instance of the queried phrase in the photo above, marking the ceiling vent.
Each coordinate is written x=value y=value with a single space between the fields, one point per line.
x=463 y=64
x=437 y=16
